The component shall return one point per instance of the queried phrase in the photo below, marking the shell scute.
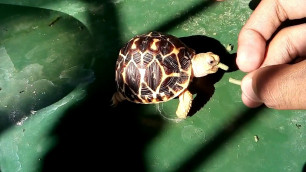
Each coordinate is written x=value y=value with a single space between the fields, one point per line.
x=155 y=34
x=137 y=57
x=169 y=84
x=153 y=75
x=165 y=47
x=184 y=58
x=170 y=64
x=132 y=77
x=147 y=58
x=183 y=78
x=145 y=90
x=127 y=59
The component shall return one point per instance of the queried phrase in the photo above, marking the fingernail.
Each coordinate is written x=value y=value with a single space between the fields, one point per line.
x=241 y=60
x=249 y=96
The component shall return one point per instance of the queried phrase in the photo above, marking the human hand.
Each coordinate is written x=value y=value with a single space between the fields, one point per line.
x=271 y=80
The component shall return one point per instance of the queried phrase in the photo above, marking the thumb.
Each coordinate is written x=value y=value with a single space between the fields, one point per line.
x=278 y=86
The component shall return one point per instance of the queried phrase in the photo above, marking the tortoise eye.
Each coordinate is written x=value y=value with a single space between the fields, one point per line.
x=210 y=60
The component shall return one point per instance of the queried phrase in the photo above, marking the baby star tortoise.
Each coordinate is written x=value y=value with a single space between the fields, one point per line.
x=155 y=67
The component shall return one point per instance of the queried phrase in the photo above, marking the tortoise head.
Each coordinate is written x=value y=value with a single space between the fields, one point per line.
x=206 y=63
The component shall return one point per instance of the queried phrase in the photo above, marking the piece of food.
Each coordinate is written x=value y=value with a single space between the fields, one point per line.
x=234 y=81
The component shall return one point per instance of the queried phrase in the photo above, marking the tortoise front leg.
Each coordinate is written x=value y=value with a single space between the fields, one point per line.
x=185 y=103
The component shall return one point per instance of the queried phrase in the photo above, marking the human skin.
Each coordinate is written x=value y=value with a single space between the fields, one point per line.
x=271 y=80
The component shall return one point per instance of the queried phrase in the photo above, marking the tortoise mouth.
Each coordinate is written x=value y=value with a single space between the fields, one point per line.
x=214 y=69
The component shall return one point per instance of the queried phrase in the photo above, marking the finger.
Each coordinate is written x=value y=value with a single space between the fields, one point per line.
x=248 y=96
x=278 y=87
x=250 y=54
x=263 y=22
x=288 y=44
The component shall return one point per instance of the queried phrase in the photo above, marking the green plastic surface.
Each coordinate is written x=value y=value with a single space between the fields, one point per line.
x=57 y=62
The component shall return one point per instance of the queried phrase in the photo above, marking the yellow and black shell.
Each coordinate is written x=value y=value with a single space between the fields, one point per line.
x=153 y=68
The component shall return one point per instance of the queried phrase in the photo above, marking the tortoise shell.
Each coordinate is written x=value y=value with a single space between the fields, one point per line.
x=153 y=68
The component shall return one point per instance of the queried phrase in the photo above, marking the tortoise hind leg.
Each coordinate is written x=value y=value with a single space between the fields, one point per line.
x=117 y=97
x=185 y=104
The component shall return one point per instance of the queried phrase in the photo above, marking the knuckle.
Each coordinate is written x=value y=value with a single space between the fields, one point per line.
x=280 y=11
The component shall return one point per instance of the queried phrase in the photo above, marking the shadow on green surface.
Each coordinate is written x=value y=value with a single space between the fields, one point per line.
x=253 y=4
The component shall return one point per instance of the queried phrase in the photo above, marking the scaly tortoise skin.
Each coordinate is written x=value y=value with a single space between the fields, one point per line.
x=156 y=67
